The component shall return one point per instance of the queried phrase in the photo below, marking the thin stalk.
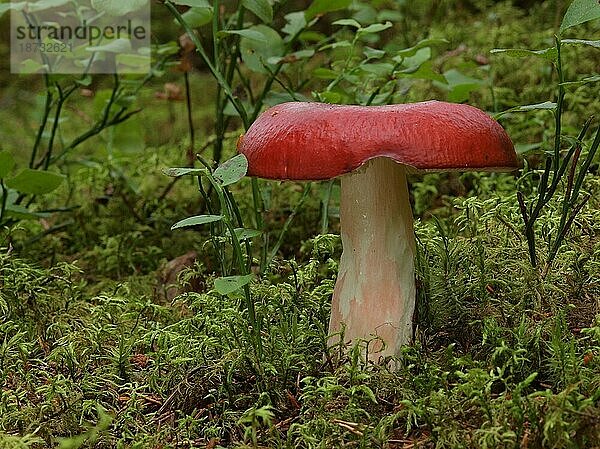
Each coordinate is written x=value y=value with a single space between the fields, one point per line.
x=190 y=119
x=239 y=257
x=325 y=207
x=43 y=122
x=213 y=70
x=287 y=224
x=4 y=199
x=559 y=106
x=62 y=97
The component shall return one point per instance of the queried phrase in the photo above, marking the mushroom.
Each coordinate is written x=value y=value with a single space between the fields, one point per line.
x=374 y=147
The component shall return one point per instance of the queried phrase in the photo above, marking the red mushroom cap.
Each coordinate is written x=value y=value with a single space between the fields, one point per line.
x=312 y=141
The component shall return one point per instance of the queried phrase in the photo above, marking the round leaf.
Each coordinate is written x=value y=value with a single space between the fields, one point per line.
x=229 y=284
x=35 y=182
x=7 y=162
x=255 y=52
x=231 y=171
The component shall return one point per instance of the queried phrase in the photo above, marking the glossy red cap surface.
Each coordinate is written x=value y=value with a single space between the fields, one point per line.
x=313 y=141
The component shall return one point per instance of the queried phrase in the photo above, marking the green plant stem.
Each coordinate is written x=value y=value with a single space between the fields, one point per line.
x=62 y=97
x=559 y=106
x=190 y=120
x=4 y=199
x=213 y=70
x=325 y=207
x=287 y=224
x=43 y=122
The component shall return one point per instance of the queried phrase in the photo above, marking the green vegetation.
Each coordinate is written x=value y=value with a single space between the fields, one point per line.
x=116 y=331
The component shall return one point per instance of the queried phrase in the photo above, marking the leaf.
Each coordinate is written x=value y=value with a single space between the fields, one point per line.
x=196 y=220
x=22 y=213
x=382 y=69
x=115 y=46
x=247 y=33
x=196 y=17
x=546 y=105
x=45 y=4
x=229 y=284
x=35 y=182
x=373 y=53
x=595 y=44
x=11 y=6
x=260 y=8
x=338 y=44
x=580 y=11
x=524 y=148
x=118 y=8
x=347 y=22
x=421 y=44
x=245 y=234
x=182 y=171
x=256 y=51
x=31 y=66
x=588 y=79
x=7 y=162
x=375 y=28
x=193 y=3
x=292 y=57
x=296 y=21
x=550 y=54
x=318 y=7
x=232 y=170
x=324 y=73
x=460 y=85
x=412 y=63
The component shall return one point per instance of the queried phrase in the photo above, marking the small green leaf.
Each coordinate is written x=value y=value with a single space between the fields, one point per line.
x=375 y=28
x=586 y=80
x=291 y=57
x=35 y=182
x=196 y=17
x=7 y=162
x=118 y=8
x=460 y=86
x=46 y=4
x=177 y=172
x=546 y=105
x=595 y=44
x=326 y=74
x=580 y=11
x=421 y=44
x=193 y=3
x=13 y=6
x=196 y=220
x=229 y=284
x=373 y=53
x=347 y=22
x=550 y=54
x=261 y=8
x=231 y=171
x=382 y=69
x=22 y=213
x=318 y=7
x=525 y=148
x=249 y=34
x=295 y=23
x=114 y=46
x=338 y=44
x=245 y=234
x=531 y=107
x=258 y=44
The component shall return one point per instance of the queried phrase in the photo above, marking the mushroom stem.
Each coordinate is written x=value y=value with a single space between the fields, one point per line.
x=374 y=295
